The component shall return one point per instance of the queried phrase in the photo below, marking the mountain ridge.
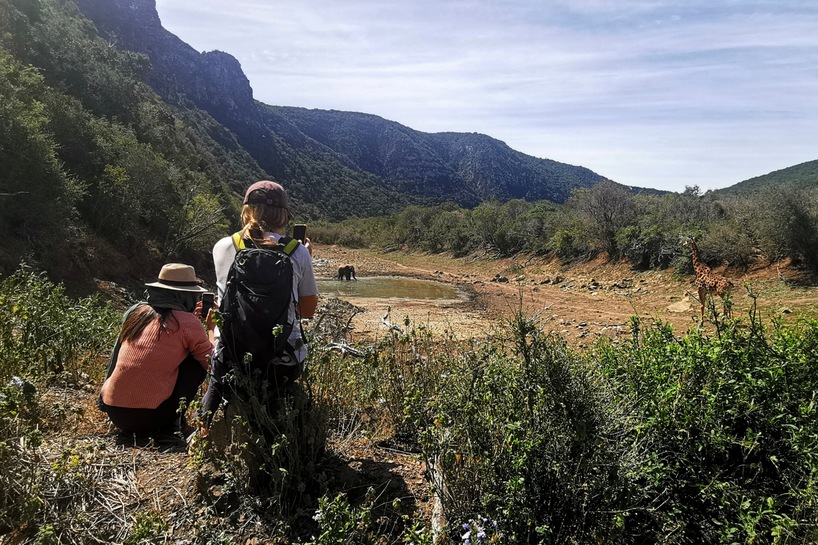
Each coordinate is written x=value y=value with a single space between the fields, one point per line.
x=135 y=174
x=401 y=164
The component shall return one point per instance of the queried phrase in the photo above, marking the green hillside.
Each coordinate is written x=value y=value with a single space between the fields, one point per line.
x=92 y=156
x=381 y=165
x=797 y=177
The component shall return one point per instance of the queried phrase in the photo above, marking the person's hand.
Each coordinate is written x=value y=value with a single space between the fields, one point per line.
x=308 y=245
x=210 y=321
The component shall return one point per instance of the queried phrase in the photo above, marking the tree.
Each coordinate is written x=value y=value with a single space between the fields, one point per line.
x=606 y=208
x=38 y=198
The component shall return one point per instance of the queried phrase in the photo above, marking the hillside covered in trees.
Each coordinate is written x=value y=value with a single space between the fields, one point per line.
x=125 y=141
x=118 y=135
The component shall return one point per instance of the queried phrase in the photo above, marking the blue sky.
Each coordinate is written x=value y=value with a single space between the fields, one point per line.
x=655 y=94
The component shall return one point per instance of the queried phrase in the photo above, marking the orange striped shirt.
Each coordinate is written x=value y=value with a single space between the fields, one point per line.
x=147 y=367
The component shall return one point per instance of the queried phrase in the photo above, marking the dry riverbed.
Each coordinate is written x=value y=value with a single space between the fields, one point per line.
x=580 y=303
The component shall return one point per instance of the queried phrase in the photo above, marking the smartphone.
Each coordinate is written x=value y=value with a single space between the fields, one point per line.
x=300 y=231
x=207 y=303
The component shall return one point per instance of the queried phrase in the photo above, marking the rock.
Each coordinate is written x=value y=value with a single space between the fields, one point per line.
x=680 y=306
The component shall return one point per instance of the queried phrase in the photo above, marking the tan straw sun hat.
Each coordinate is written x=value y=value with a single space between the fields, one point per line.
x=178 y=277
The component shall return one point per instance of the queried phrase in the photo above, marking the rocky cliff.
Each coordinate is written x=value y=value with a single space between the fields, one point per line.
x=313 y=149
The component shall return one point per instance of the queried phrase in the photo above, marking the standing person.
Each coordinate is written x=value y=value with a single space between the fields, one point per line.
x=265 y=216
x=161 y=356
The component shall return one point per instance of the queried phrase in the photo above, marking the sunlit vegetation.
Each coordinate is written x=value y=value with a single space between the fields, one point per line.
x=680 y=437
x=646 y=230
x=706 y=436
x=91 y=155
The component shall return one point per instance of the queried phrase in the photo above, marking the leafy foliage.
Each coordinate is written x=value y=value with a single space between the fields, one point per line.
x=731 y=426
x=94 y=155
x=646 y=230
x=44 y=337
x=268 y=442
x=42 y=331
x=37 y=197
x=531 y=438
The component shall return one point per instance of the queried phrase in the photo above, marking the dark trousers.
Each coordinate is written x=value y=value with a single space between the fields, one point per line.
x=165 y=417
x=276 y=376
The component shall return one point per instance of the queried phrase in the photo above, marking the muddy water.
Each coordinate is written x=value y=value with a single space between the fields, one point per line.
x=388 y=287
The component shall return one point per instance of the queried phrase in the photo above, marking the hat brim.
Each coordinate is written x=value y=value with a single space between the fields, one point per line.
x=193 y=289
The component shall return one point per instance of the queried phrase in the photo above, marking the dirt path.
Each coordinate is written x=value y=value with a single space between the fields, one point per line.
x=580 y=303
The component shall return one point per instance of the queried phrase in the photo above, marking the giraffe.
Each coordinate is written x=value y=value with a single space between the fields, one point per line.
x=706 y=279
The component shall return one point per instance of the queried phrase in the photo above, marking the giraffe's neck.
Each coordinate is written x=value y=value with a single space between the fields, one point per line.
x=694 y=251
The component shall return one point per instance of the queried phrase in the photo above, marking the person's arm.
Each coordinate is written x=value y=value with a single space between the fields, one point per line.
x=307 y=288
x=306 y=306
x=199 y=341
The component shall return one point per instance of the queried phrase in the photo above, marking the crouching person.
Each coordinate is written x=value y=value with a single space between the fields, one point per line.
x=161 y=356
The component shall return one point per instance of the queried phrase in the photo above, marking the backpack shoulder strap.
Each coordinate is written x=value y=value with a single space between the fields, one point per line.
x=289 y=244
x=238 y=242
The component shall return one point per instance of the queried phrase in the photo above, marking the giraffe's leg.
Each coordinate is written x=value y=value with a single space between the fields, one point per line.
x=702 y=298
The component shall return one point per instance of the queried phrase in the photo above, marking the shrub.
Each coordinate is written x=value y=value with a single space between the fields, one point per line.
x=340 y=523
x=532 y=439
x=733 y=428
x=43 y=331
x=270 y=441
x=729 y=241
x=645 y=248
x=569 y=244
x=19 y=439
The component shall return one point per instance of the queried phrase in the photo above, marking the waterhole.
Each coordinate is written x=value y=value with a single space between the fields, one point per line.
x=385 y=287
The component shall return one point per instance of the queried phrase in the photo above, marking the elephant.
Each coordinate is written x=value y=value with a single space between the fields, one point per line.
x=347 y=271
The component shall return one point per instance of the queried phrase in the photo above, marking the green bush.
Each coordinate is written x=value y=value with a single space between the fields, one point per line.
x=732 y=426
x=729 y=241
x=43 y=331
x=569 y=244
x=19 y=438
x=678 y=439
x=269 y=442
x=645 y=248
x=341 y=523
x=529 y=436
